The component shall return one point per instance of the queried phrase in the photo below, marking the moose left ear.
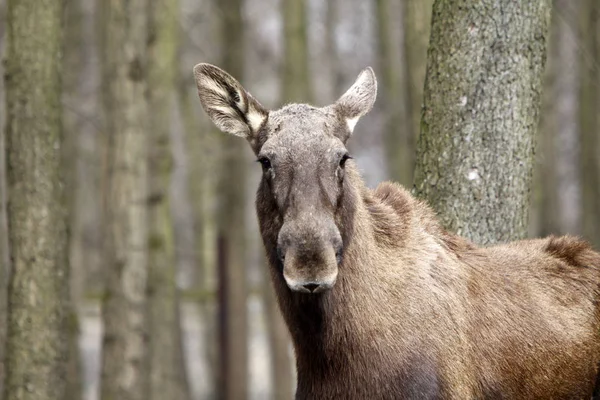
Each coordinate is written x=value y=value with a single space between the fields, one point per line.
x=358 y=100
x=231 y=108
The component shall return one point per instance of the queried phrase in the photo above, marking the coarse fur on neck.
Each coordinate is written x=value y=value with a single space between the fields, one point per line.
x=410 y=301
x=328 y=329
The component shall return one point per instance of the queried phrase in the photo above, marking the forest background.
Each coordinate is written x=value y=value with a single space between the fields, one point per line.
x=191 y=314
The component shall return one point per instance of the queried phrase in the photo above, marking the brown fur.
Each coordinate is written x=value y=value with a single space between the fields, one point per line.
x=381 y=302
x=418 y=312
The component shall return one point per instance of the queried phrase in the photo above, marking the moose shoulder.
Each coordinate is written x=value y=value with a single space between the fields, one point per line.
x=381 y=302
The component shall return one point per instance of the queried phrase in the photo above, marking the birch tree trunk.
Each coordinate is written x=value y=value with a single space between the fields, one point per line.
x=481 y=108
x=163 y=298
x=124 y=309
x=39 y=284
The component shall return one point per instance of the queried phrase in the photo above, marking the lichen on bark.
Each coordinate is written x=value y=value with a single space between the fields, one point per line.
x=481 y=109
x=37 y=220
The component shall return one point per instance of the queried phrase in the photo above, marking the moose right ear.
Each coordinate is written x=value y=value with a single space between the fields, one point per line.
x=230 y=107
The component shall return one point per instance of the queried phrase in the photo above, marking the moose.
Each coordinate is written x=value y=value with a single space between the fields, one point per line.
x=381 y=301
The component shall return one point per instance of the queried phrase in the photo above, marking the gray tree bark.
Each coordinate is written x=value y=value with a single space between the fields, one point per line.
x=124 y=356
x=163 y=298
x=38 y=291
x=481 y=108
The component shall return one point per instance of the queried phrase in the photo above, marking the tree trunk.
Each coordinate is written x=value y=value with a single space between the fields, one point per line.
x=4 y=253
x=417 y=25
x=165 y=368
x=332 y=60
x=73 y=67
x=481 y=108
x=590 y=104
x=124 y=309
x=398 y=136
x=39 y=285
x=296 y=82
x=566 y=152
x=231 y=229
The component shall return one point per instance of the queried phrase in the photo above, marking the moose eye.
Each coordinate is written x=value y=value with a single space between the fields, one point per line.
x=343 y=160
x=265 y=163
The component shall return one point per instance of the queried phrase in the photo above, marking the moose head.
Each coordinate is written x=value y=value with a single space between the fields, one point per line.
x=302 y=151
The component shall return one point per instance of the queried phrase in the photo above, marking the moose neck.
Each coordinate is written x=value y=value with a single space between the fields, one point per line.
x=315 y=320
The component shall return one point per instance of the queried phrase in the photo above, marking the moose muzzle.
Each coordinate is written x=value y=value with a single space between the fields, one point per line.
x=310 y=257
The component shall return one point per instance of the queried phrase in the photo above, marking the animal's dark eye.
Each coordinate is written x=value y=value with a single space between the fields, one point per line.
x=265 y=162
x=343 y=160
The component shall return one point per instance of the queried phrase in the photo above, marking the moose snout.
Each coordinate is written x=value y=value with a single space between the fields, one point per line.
x=310 y=262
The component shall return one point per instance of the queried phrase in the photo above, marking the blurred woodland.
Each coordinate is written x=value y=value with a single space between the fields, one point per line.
x=166 y=294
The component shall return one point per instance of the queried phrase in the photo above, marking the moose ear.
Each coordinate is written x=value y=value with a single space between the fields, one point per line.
x=358 y=100
x=230 y=107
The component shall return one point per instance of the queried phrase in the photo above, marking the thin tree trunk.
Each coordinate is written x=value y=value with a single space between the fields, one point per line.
x=417 y=26
x=296 y=82
x=565 y=164
x=590 y=105
x=544 y=187
x=200 y=146
x=201 y=186
x=165 y=368
x=331 y=50
x=398 y=135
x=39 y=284
x=4 y=253
x=73 y=67
x=481 y=108
x=124 y=358
x=231 y=230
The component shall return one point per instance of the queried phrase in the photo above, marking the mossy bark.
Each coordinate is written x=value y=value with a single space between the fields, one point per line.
x=231 y=225
x=163 y=301
x=38 y=290
x=124 y=356
x=481 y=108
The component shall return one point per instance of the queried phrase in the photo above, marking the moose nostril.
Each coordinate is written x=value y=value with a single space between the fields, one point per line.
x=338 y=255
x=281 y=255
x=311 y=286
